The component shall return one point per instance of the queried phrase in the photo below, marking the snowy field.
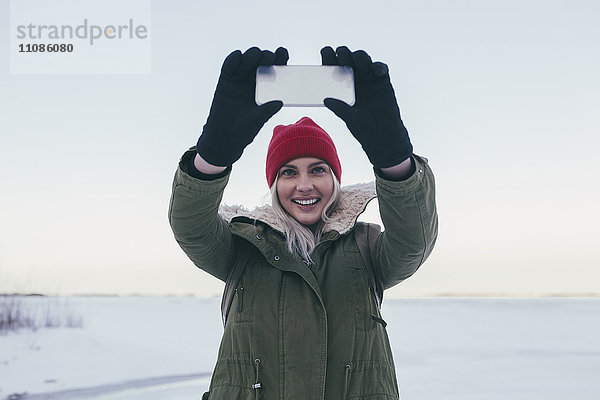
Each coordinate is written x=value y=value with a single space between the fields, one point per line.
x=155 y=348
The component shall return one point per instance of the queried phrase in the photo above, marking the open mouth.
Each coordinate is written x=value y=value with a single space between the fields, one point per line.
x=307 y=202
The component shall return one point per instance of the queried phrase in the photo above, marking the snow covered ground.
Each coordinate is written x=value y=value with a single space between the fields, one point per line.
x=156 y=348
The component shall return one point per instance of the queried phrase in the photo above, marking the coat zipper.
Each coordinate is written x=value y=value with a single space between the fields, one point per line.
x=346 y=379
x=257 y=385
x=240 y=302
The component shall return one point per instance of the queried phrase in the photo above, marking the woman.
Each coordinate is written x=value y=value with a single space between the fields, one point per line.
x=304 y=323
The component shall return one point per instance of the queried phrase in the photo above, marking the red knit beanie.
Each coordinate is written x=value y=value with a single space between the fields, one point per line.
x=302 y=139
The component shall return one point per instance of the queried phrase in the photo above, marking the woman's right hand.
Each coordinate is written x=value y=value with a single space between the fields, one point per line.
x=235 y=119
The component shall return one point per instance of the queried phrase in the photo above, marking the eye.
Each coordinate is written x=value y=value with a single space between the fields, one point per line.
x=287 y=172
x=319 y=170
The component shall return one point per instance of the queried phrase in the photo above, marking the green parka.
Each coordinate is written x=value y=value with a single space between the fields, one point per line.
x=306 y=332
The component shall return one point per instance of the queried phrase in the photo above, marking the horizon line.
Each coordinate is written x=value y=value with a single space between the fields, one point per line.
x=407 y=296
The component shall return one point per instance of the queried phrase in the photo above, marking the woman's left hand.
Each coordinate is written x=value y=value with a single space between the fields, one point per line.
x=374 y=119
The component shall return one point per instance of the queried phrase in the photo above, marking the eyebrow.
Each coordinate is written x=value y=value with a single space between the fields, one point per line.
x=310 y=165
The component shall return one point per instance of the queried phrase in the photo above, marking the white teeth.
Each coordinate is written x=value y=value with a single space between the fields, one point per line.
x=306 y=202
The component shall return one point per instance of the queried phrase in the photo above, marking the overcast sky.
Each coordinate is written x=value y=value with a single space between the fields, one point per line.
x=502 y=97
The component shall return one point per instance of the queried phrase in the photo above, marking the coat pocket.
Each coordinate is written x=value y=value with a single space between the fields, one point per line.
x=236 y=379
x=242 y=307
x=370 y=379
x=365 y=313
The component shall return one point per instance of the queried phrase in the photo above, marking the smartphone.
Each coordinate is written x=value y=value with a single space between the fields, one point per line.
x=304 y=85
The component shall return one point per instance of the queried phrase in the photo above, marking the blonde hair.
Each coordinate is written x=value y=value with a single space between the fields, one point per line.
x=299 y=238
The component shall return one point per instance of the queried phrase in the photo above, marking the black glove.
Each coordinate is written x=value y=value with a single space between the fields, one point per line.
x=235 y=119
x=374 y=120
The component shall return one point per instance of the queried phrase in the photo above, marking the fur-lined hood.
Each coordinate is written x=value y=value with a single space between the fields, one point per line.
x=353 y=201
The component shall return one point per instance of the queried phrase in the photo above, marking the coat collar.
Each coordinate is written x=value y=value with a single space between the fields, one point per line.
x=353 y=201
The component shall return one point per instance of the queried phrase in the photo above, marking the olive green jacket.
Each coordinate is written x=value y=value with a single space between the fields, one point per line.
x=298 y=331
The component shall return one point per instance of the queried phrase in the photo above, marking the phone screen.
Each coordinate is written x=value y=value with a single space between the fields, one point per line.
x=304 y=85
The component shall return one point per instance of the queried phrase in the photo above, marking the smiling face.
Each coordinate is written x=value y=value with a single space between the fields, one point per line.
x=304 y=187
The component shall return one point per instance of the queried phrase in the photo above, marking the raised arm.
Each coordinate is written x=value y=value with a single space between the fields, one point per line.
x=409 y=215
x=405 y=183
x=194 y=219
x=233 y=123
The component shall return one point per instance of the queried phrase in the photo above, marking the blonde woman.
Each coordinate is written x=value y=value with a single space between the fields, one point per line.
x=304 y=323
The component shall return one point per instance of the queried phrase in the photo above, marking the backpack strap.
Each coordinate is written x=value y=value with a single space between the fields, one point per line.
x=366 y=245
x=243 y=250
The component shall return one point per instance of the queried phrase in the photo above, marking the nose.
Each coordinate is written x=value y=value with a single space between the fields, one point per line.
x=304 y=183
